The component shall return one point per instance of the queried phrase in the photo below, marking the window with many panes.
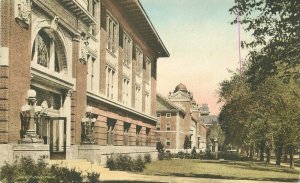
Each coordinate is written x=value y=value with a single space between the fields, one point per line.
x=168 y=115
x=90 y=72
x=147 y=103
x=168 y=142
x=112 y=34
x=168 y=126
x=127 y=47
x=126 y=134
x=138 y=135
x=110 y=130
x=148 y=70
x=158 y=126
x=139 y=62
x=126 y=91
x=110 y=77
x=148 y=137
x=138 y=98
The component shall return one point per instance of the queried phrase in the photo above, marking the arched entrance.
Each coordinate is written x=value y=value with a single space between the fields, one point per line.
x=53 y=85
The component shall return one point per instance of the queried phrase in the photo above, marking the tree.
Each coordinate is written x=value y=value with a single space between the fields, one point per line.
x=215 y=132
x=264 y=99
x=187 y=143
x=274 y=25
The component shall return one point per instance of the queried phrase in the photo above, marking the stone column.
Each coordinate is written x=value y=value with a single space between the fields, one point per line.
x=67 y=113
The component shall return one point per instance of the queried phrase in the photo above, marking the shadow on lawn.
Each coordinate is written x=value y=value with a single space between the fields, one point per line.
x=249 y=165
x=212 y=176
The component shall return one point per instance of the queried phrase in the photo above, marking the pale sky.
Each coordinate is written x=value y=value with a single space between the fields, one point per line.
x=202 y=44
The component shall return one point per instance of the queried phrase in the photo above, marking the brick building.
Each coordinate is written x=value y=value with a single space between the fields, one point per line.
x=78 y=78
x=178 y=117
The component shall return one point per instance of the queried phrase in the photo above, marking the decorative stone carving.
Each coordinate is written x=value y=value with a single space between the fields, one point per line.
x=23 y=12
x=54 y=22
x=43 y=51
x=84 y=42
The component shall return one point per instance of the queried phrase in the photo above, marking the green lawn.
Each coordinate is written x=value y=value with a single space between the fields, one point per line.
x=221 y=169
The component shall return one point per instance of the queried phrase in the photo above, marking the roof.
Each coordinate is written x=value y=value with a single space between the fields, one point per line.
x=180 y=87
x=164 y=104
x=137 y=15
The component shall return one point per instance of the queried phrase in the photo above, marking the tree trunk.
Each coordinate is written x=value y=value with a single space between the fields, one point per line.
x=268 y=151
x=262 y=150
x=278 y=155
x=285 y=157
x=251 y=151
x=292 y=158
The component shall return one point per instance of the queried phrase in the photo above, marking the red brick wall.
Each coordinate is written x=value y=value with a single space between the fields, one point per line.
x=79 y=96
x=4 y=91
x=19 y=72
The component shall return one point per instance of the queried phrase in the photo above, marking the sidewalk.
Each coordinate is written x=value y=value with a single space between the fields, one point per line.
x=130 y=177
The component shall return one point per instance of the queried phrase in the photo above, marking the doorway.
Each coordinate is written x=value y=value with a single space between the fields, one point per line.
x=58 y=138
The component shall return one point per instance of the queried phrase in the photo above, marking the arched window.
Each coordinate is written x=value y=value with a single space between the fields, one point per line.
x=48 y=51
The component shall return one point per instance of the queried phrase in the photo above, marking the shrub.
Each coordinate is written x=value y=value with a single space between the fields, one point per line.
x=160 y=156
x=181 y=154
x=138 y=164
x=93 y=177
x=27 y=170
x=167 y=156
x=147 y=158
x=123 y=162
x=9 y=172
x=110 y=163
x=126 y=163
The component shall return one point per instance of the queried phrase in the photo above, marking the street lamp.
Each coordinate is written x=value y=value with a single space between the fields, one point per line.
x=29 y=114
x=88 y=127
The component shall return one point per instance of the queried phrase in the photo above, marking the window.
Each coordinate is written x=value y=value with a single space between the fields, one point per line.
x=168 y=126
x=148 y=70
x=138 y=136
x=110 y=79
x=158 y=126
x=126 y=134
x=158 y=115
x=127 y=47
x=138 y=98
x=168 y=115
x=148 y=137
x=147 y=103
x=112 y=33
x=110 y=130
x=168 y=142
x=139 y=62
x=125 y=91
x=46 y=52
x=90 y=72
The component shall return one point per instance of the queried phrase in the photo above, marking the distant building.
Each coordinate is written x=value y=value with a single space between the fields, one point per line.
x=209 y=121
x=178 y=117
x=78 y=79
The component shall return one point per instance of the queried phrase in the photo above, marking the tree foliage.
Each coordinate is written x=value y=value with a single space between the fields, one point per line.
x=261 y=105
x=275 y=29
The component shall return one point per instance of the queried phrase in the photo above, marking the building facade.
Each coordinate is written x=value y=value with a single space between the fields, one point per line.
x=213 y=127
x=78 y=78
x=178 y=118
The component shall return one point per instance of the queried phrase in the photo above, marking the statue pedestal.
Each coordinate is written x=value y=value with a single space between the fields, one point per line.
x=31 y=137
x=35 y=151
